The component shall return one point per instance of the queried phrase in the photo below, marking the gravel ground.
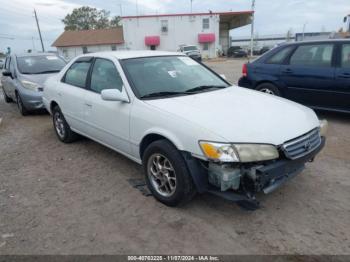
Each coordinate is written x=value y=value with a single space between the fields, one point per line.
x=75 y=199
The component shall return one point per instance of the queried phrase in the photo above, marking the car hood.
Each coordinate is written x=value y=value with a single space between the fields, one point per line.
x=193 y=52
x=242 y=115
x=38 y=79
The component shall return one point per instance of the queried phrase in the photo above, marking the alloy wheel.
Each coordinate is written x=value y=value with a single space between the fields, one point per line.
x=267 y=91
x=19 y=103
x=59 y=124
x=161 y=175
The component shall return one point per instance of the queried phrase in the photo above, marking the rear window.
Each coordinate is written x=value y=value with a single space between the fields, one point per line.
x=40 y=64
x=318 y=55
x=280 y=56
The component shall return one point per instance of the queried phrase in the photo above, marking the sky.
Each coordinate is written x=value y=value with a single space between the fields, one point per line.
x=18 y=28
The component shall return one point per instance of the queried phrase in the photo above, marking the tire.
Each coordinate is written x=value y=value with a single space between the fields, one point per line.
x=62 y=129
x=173 y=174
x=22 y=109
x=7 y=99
x=269 y=89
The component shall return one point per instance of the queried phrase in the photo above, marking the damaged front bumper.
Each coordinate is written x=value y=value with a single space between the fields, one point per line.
x=254 y=178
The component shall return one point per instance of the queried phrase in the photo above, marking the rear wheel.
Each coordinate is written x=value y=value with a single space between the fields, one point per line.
x=21 y=107
x=7 y=99
x=167 y=175
x=269 y=89
x=62 y=129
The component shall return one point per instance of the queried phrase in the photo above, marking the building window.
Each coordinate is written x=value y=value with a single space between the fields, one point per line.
x=205 y=23
x=206 y=46
x=164 y=26
x=113 y=47
x=65 y=53
x=85 y=50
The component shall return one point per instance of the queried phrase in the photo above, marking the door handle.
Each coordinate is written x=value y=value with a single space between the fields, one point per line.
x=287 y=71
x=88 y=104
x=59 y=94
x=345 y=75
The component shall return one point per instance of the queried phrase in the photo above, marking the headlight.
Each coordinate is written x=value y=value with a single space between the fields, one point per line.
x=30 y=85
x=323 y=127
x=238 y=152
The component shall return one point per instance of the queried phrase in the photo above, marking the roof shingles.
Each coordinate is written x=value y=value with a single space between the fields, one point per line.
x=90 y=37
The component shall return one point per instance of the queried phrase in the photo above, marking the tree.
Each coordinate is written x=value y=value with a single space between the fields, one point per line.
x=115 y=21
x=85 y=18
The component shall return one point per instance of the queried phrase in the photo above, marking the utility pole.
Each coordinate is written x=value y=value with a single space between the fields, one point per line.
x=137 y=7
x=304 y=31
x=121 y=10
x=37 y=24
x=252 y=30
x=33 y=43
x=191 y=5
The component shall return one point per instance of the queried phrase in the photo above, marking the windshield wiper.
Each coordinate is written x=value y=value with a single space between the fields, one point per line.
x=163 y=93
x=46 y=72
x=204 y=87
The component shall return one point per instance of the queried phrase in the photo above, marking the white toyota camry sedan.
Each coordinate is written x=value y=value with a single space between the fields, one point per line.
x=190 y=129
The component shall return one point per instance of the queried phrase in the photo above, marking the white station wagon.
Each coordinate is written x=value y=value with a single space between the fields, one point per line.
x=190 y=129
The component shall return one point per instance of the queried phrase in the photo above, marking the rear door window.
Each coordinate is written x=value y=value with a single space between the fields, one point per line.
x=280 y=56
x=317 y=55
x=77 y=74
x=345 y=56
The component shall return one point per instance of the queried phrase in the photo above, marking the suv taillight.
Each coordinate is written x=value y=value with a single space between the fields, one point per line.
x=245 y=70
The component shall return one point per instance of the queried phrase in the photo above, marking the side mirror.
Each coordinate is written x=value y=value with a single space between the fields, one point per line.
x=223 y=76
x=7 y=73
x=114 y=95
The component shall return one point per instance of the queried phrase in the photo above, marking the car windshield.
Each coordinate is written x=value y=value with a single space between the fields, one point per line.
x=190 y=48
x=170 y=75
x=43 y=64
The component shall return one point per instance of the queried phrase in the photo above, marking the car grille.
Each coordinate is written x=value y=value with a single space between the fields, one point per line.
x=302 y=145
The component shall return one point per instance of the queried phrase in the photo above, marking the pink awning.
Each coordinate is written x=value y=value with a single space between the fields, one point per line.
x=152 y=40
x=206 y=38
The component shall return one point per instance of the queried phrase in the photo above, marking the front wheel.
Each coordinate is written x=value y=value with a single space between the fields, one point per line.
x=269 y=89
x=21 y=107
x=167 y=175
x=7 y=99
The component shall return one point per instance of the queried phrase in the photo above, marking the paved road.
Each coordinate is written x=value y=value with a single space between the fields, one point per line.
x=75 y=199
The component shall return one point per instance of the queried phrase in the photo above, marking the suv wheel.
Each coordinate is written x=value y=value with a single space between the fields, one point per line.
x=269 y=89
x=167 y=175
x=62 y=129
x=7 y=99
x=22 y=109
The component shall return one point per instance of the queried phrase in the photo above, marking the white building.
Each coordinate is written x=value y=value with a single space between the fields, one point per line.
x=209 y=31
x=73 y=43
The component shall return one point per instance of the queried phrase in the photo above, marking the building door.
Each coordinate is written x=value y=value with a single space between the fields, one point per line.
x=153 y=47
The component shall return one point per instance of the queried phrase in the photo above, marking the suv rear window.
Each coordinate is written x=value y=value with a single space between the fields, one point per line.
x=317 y=55
x=280 y=56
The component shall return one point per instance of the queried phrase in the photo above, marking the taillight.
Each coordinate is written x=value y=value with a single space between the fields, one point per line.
x=245 y=70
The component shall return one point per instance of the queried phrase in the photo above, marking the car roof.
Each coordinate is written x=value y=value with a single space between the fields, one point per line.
x=34 y=54
x=318 y=41
x=133 y=54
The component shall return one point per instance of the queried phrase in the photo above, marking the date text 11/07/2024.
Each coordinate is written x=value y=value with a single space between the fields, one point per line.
x=173 y=258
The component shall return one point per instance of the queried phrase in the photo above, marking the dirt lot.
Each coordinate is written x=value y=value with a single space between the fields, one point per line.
x=75 y=199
